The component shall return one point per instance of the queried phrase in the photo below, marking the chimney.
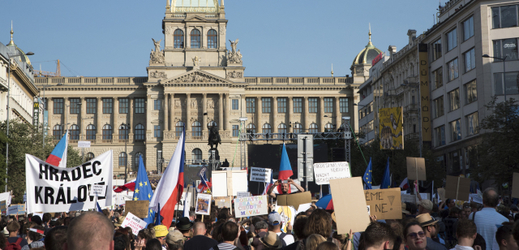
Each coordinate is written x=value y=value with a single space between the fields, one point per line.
x=412 y=35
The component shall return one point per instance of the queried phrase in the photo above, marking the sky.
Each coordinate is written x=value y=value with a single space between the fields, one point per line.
x=277 y=37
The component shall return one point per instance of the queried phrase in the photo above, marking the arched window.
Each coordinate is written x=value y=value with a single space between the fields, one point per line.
x=57 y=132
x=196 y=155
x=197 y=129
x=313 y=128
x=267 y=128
x=195 y=39
x=139 y=132
x=251 y=128
x=91 y=132
x=107 y=132
x=122 y=159
x=123 y=132
x=211 y=123
x=89 y=156
x=282 y=128
x=178 y=37
x=178 y=128
x=74 y=132
x=298 y=128
x=211 y=39
x=328 y=127
x=136 y=161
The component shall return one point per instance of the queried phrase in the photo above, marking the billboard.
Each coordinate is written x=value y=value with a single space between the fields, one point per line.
x=391 y=131
x=425 y=103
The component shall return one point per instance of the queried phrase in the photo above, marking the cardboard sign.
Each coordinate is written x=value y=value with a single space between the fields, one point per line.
x=457 y=188
x=134 y=222
x=416 y=168
x=3 y=207
x=351 y=205
x=18 y=209
x=441 y=194
x=294 y=199
x=229 y=183
x=203 y=204
x=98 y=190
x=187 y=203
x=324 y=172
x=260 y=174
x=243 y=194
x=251 y=206
x=515 y=186
x=138 y=208
x=222 y=202
x=384 y=203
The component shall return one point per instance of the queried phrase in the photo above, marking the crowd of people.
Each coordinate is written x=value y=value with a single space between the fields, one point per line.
x=426 y=226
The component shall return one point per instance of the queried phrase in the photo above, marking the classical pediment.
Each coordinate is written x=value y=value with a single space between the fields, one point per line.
x=196 y=76
x=195 y=19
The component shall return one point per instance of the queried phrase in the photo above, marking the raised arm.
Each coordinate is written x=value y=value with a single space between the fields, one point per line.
x=301 y=189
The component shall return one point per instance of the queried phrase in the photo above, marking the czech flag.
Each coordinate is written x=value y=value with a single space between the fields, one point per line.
x=58 y=156
x=130 y=185
x=171 y=185
x=204 y=183
x=285 y=169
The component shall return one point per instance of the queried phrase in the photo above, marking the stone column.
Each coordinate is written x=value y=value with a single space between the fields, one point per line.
x=166 y=112
x=290 y=110
x=115 y=132
x=274 y=114
x=50 y=112
x=220 y=113
x=321 y=114
x=338 y=116
x=204 y=111
x=306 y=124
x=130 y=110
x=188 y=113
x=99 y=115
x=227 y=107
x=259 y=126
x=171 y=116
x=82 y=131
x=66 y=108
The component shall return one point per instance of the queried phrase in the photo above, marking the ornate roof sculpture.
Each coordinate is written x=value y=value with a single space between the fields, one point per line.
x=204 y=6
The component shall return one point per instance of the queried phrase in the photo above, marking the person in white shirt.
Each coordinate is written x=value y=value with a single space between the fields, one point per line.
x=466 y=233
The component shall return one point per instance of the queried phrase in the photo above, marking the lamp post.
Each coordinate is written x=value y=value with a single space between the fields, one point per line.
x=504 y=71
x=9 y=111
x=127 y=136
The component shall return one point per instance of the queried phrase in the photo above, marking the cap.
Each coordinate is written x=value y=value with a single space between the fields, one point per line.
x=160 y=231
x=427 y=204
x=426 y=220
x=274 y=219
x=174 y=236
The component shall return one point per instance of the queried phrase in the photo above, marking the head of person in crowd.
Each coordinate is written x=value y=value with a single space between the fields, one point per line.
x=319 y=222
x=161 y=232
x=465 y=212
x=480 y=242
x=313 y=240
x=208 y=228
x=229 y=231
x=411 y=208
x=505 y=237
x=378 y=236
x=154 y=244
x=490 y=198
x=425 y=206
x=261 y=227
x=175 y=240
x=217 y=231
x=90 y=230
x=275 y=223
x=36 y=219
x=271 y=241
x=192 y=216
x=285 y=186
x=144 y=236
x=414 y=236
x=185 y=226
x=223 y=214
x=35 y=233
x=13 y=228
x=429 y=225
x=466 y=232
x=327 y=245
x=55 y=238
x=450 y=203
x=123 y=236
x=199 y=228
x=299 y=226
x=3 y=241
x=46 y=218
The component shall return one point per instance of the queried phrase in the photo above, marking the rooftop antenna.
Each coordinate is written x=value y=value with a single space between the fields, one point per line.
x=332 y=69
x=369 y=32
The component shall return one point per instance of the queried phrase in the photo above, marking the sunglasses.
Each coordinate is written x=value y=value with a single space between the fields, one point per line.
x=420 y=234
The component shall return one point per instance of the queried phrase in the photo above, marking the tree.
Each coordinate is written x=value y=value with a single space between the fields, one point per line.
x=25 y=139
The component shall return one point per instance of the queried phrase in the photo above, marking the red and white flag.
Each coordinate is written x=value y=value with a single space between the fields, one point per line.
x=404 y=185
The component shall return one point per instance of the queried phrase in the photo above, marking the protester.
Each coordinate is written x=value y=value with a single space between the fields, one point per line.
x=55 y=238
x=313 y=240
x=319 y=222
x=199 y=241
x=299 y=232
x=154 y=244
x=143 y=237
x=184 y=225
x=425 y=207
x=505 y=239
x=451 y=223
x=261 y=228
x=487 y=219
x=285 y=187
x=430 y=228
x=91 y=230
x=161 y=232
x=327 y=245
x=46 y=221
x=35 y=236
x=14 y=238
x=275 y=225
x=378 y=236
x=271 y=241
x=175 y=241
x=229 y=233
x=415 y=236
x=466 y=233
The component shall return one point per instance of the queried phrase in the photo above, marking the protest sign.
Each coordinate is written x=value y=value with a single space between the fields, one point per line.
x=294 y=199
x=260 y=174
x=229 y=183
x=12 y=210
x=441 y=194
x=324 y=172
x=351 y=206
x=251 y=206
x=243 y=194
x=3 y=207
x=134 y=222
x=187 y=202
x=18 y=209
x=384 y=203
x=287 y=214
x=203 y=204
x=99 y=190
x=183 y=201
x=222 y=202
x=515 y=186
x=138 y=208
x=457 y=188
x=55 y=189
x=416 y=168
x=6 y=197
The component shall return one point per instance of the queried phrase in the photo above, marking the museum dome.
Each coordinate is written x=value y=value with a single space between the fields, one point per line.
x=23 y=57
x=367 y=54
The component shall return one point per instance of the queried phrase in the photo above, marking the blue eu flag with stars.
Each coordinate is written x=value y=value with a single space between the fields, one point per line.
x=368 y=180
x=143 y=190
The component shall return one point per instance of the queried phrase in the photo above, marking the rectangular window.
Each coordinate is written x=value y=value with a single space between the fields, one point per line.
x=439 y=134
x=298 y=105
x=452 y=39
x=437 y=77
x=470 y=60
x=473 y=124
x=91 y=105
x=282 y=105
x=504 y=16
x=453 y=69
x=468 y=28
x=108 y=105
x=75 y=105
x=509 y=84
x=506 y=47
x=266 y=105
x=438 y=107
x=123 y=106
x=343 y=105
x=454 y=99
x=156 y=131
x=235 y=104
x=471 y=92
x=328 y=105
x=235 y=130
x=58 y=106
x=251 y=105
x=140 y=105
x=157 y=104
x=312 y=105
x=455 y=127
x=437 y=49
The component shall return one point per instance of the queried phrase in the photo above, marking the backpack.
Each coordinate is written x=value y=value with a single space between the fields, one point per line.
x=14 y=246
x=281 y=236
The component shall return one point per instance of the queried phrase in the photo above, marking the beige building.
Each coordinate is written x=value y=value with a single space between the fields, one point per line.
x=194 y=80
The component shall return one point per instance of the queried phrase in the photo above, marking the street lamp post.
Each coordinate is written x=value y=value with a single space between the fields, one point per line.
x=504 y=71
x=9 y=111
x=126 y=126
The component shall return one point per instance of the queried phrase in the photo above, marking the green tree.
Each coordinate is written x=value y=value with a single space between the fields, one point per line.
x=25 y=139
